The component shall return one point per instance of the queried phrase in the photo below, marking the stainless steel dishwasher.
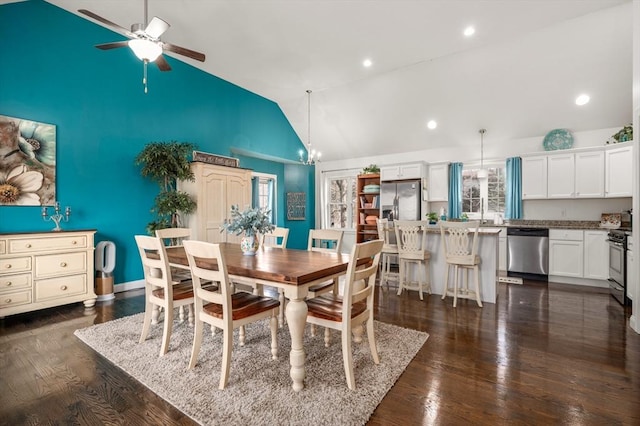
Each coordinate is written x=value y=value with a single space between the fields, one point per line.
x=528 y=253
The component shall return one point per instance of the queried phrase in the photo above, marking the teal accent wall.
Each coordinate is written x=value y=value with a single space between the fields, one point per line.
x=51 y=72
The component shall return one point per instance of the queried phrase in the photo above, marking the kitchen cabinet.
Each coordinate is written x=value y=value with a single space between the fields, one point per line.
x=561 y=176
x=502 y=250
x=575 y=175
x=596 y=255
x=439 y=182
x=215 y=189
x=619 y=171
x=534 y=177
x=44 y=269
x=401 y=172
x=566 y=252
x=589 y=174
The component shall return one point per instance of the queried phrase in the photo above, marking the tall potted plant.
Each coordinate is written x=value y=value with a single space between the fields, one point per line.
x=166 y=163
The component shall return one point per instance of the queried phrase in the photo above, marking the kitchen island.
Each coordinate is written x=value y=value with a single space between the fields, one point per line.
x=487 y=250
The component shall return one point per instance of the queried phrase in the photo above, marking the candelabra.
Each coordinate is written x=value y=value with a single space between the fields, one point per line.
x=57 y=217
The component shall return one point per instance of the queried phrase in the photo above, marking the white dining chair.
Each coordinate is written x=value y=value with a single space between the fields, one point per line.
x=223 y=308
x=277 y=239
x=161 y=291
x=459 y=242
x=324 y=241
x=355 y=308
x=388 y=251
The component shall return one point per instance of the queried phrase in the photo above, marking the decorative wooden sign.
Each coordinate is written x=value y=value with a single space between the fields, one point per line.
x=218 y=160
x=296 y=205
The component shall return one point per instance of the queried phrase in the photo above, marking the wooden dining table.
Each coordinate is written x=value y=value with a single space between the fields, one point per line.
x=293 y=271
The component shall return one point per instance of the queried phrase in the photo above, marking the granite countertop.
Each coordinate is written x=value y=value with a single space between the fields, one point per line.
x=557 y=224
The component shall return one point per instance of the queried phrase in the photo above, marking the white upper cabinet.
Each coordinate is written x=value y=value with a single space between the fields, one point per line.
x=589 y=174
x=534 y=177
x=401 y=172
x=619 y=172
x=439 y=182
x=579 y=175
x=560 y=176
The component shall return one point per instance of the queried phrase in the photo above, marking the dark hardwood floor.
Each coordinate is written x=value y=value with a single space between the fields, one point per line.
x=544 y=354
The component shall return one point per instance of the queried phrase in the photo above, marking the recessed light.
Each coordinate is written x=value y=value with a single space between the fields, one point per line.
x=582 y=99
x=432 y=124
x=469 y=31
x=367 y=63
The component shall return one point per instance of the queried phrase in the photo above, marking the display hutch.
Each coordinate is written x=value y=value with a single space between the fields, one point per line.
x=367 y=207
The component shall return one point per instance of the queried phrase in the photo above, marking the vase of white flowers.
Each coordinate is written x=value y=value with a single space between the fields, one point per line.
x=250 y=222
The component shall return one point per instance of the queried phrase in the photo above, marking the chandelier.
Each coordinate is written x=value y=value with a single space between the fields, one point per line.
x=313 y=156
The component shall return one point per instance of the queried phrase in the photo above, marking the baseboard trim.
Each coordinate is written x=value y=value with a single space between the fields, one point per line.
x=130 y=285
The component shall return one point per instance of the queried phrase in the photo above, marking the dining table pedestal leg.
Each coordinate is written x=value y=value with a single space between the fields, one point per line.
x=296 y=312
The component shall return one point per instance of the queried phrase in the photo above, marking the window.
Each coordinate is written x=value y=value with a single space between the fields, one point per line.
x=483 y=194
x=341 y=196
x=263 y=192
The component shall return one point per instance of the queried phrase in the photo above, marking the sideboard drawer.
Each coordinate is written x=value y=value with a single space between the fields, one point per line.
x=15 y=299
x=14 y=282
x=3 y=247
x=15 y=264
x=60 y=287
x=60 y=264
x=30 y=245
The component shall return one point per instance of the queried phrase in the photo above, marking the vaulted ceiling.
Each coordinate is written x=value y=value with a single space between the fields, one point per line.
x=518 y=76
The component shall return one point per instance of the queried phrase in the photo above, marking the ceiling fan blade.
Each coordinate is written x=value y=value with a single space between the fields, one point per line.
x=108 y=23
x=156 y=27
x=183 y=51
x=162 y=63
x=107 y=46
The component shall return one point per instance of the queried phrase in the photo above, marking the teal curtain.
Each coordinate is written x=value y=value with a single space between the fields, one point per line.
x=255 y=192
x=513 y=189
x=455 y=190
x=271 y=203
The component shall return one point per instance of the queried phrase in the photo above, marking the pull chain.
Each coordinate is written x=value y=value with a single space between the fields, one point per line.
x=144 y=75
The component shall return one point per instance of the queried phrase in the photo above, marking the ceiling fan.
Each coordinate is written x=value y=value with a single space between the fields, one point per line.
x=144 y=41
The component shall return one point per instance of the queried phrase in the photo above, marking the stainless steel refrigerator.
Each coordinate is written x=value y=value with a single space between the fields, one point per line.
x=400 y=200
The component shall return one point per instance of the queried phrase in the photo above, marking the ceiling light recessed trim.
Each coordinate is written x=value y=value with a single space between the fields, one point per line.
x=469 y=31
x=432 y=124
x=367 y=63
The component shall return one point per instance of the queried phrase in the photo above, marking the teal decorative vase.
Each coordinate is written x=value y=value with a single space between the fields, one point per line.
x=249 y=245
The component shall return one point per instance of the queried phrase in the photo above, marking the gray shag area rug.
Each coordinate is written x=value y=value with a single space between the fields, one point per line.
x=259 y=389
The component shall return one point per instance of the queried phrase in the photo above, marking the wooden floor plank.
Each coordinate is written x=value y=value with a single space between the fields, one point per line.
x=543 y=354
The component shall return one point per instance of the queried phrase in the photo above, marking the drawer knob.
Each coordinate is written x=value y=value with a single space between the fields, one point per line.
x=74 y=242
x=28 y=245
x=7 y=266
x=7 y=300
x=63 y=264
x=9 y=284
x=63 y=287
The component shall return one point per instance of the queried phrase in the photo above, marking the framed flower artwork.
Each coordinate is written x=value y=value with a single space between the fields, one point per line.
x=27 y=162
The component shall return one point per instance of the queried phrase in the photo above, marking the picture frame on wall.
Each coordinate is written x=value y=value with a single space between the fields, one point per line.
x=296 y=205
x=27 y=162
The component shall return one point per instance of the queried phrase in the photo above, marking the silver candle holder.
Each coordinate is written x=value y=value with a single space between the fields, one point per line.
x=56 y=217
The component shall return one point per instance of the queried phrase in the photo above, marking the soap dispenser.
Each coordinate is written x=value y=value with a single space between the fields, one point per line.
x=443 y=214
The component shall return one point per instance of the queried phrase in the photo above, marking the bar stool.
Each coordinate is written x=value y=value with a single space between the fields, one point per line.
x=388 y=250
x=460 y=245
x=411 y=240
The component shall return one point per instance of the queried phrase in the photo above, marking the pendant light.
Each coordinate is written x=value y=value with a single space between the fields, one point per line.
x=482 y=173
x=313 y=157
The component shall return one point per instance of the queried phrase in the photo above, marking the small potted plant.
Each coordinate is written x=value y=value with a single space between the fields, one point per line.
x=251 y=222
x=371 y=169
x=432 y=217
x=464 y=217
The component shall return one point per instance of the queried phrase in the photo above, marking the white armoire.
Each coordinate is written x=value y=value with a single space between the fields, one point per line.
x=215 y=190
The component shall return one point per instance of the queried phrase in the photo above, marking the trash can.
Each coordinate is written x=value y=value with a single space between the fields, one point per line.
x=105 y=263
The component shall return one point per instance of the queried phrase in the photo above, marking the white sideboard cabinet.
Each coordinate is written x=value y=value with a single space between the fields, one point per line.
x=44 y=269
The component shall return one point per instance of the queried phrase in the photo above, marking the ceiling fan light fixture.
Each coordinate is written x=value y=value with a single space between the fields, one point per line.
x=145 y=50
